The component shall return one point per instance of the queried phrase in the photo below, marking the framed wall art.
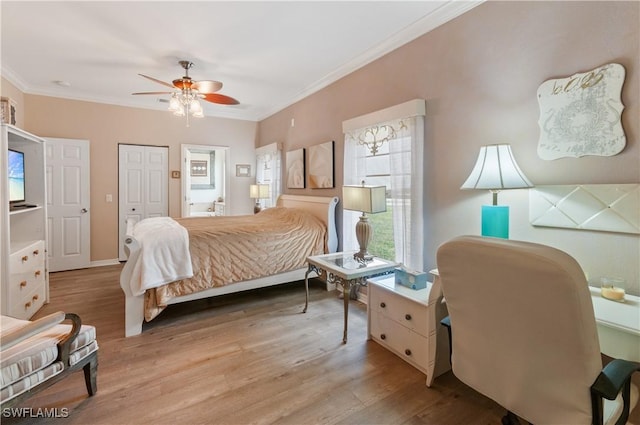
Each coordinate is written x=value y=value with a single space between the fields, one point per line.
x=243 y=170
x=321 y=170
x=8 y=110
x=296 y=169
x=580 y=115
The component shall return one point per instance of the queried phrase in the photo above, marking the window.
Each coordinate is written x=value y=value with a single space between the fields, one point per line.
x=379 y=174
x=389 y=153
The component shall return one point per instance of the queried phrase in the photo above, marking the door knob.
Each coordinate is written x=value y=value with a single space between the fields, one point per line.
x=84 y=211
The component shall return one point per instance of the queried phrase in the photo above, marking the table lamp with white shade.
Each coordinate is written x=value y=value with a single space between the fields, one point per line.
x=257 y=192
x=368 y=200
x=495 y=170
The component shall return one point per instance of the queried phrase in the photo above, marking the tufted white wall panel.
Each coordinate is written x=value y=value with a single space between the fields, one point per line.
x=600 y=207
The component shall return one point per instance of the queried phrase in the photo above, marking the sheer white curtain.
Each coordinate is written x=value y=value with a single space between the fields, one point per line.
x=405 y=138
x=406 y=153
x=268 y=163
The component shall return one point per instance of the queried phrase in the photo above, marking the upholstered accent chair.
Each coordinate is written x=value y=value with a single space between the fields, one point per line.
x=36 y=354
x=523 y=333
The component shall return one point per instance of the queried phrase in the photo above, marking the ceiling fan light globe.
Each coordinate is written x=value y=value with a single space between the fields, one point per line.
x=195 y=106
x=174 y=104
x=198 y=114
x=179 y=113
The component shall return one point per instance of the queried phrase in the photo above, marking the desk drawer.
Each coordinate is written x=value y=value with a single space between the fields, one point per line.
x=405 y=343
x=400 y=309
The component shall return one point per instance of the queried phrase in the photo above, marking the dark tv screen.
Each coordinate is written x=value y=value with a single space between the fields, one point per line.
x=16 y=176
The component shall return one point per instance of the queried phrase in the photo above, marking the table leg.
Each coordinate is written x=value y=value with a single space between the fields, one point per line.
x=346 y=288
x=306 y=289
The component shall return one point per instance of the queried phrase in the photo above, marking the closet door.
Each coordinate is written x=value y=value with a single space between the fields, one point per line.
x=68 y=201
x=142 y=186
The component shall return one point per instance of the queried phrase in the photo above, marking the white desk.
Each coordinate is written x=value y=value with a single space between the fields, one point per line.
x=618 y=325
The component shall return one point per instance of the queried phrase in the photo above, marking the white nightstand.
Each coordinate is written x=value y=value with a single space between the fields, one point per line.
x=407 y=322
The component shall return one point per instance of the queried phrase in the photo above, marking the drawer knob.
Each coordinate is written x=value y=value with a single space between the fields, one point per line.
x=25 y=259
x=407 y=352
x=35 y=297
x=37 y=273
x=383 y=336
x=27 y=305
x=383 y=305
x=23 y=283
x=407 y=316
x=36 y=252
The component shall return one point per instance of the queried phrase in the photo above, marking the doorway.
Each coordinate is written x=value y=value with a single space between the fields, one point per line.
x=204 y=180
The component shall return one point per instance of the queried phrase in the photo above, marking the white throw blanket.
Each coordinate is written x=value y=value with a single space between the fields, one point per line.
x=164 y=254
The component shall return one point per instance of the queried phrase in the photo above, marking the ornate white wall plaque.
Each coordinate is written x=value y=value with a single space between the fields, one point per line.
x=580 y=115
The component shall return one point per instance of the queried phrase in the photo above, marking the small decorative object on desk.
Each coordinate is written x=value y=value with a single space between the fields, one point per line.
x=411 y=278
x=612 y=288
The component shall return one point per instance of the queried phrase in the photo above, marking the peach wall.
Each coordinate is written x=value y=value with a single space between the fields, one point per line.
x=105 y=126
x=479 y=74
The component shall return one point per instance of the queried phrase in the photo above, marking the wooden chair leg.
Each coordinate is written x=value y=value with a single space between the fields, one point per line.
x=91 y=375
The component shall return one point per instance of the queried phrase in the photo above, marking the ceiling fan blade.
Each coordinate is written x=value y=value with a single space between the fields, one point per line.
x=219 y=98
x=155 y=92
x=156 y=80
x=207 y=86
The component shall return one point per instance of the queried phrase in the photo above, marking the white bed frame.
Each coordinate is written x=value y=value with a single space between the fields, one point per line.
x=321 y=207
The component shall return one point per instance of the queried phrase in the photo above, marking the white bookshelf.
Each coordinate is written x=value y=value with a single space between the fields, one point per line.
x=23 y=250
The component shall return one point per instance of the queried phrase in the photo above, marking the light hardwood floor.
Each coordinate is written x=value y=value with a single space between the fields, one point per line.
x=249 y=358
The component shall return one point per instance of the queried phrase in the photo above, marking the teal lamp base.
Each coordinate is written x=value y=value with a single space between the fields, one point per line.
x=495 y=221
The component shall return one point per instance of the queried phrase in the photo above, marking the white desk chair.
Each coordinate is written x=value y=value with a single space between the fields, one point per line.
x=523 y=332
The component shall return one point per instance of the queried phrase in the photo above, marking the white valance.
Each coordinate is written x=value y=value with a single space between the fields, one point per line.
x=412 y=108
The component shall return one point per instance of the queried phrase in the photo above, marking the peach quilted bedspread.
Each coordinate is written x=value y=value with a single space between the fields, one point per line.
x=230 y=249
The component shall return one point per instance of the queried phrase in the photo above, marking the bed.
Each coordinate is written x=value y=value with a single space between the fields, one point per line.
x=217 y=266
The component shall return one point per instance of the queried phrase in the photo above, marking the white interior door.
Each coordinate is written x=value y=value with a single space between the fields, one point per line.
x=143 y=185
x=68 y=201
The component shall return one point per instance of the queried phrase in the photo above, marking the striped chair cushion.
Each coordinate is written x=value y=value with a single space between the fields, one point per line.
x=39 y=351
x=30 y=381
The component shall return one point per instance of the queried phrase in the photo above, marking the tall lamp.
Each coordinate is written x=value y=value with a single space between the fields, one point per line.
x=496 y=169
x=257 y=192
x=368 y=200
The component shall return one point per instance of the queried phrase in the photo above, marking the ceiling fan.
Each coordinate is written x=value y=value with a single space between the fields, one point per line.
x=187 y=93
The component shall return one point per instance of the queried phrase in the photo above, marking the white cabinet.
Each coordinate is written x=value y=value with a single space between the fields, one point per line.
x=407 y=322
x=24 y=277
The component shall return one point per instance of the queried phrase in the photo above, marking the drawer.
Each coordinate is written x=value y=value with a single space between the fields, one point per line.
x=28 y=258
x=29 y=304
x=410 y=346
x=21 y=284
x=400 y=309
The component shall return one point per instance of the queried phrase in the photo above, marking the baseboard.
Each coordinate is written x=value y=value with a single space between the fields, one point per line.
x=101 y=263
